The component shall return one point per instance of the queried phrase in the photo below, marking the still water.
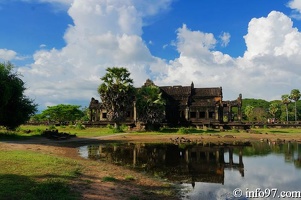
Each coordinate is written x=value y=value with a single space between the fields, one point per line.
x=207 y=171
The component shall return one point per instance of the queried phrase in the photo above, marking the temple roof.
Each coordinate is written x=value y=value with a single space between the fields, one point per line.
x=208 y=92
x=177 y=90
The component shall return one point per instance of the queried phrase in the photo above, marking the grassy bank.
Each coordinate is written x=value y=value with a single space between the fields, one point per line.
x=27 y=131
x=32 y=175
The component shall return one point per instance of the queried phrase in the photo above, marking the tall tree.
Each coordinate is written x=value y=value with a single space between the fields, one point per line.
x=286 y=100
x=274 y=107
x=295 y=96
x=249 y=112
x=150 y=105
x=63 y=113
x=117 y=94
x=15 y=107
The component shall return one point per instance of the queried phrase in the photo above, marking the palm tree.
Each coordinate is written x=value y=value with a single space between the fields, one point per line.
x=295 y=96
x=286 y=100
x=150 y=105
x=117 y=94
x=273 y=109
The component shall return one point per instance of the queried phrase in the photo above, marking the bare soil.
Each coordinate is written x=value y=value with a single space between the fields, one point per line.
x=90 y=183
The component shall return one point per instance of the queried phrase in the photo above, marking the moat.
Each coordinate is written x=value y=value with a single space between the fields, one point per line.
x=210 y=171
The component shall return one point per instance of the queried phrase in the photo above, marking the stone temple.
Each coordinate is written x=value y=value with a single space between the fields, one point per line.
x=185 y=106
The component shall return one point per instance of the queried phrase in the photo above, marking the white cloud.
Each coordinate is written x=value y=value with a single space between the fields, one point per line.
x=105 y=33
x=7 y=55
x=108 y=33
x=225 y=39
x=269 y=68
x=198 y=62
x=296 y=6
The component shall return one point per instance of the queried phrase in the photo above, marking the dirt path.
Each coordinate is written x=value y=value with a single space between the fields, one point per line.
x=90 y=183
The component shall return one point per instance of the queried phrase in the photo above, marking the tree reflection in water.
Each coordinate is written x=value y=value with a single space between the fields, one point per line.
x=210 y=171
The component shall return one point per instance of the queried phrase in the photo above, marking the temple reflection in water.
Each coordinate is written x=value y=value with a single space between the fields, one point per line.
x=182 y=163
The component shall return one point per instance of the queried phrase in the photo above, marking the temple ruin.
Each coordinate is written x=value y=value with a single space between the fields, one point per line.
x=185 y=105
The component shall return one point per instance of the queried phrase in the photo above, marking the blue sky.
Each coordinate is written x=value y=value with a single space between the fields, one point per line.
x=62 y=47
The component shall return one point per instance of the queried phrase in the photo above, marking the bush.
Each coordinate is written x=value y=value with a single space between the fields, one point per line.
x=51 y=127
x=183 y=130
x=79 y=126
x=119 y=129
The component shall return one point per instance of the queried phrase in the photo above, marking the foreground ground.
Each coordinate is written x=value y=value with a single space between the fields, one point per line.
x=91 y=183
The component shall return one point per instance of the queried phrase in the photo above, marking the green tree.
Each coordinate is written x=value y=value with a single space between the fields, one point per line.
x=15 y=107
x=256 y=103
x=259 y=114
x=150 y=105
x=249 y=111
x=62 y=113
x=286 y=101
x=273 y=109
x=117 y=94
x=295 y=96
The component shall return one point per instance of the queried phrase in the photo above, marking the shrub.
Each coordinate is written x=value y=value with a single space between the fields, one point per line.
x=109 y=179
x=183 y=130
x=119 y=129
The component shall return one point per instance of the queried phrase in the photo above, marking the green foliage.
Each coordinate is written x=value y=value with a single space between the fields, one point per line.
x=129 y=178
x=118 y=129
x=150 y=105
x=249 y=111
x=273 y=109
x=295 y=96
x=183 y=130
x=109 y=179
x=79 y=126
x=256 y=103
x=117 y=93
x=52 y=127
x=255 y=109
x=62 y=113
x=286 y=101
x=15 y=107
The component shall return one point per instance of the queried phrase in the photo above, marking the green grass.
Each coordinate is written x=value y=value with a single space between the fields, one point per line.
x=129 y=178
x=109 y=179
x=279 y=130
x=32 y=175
x=35 y=131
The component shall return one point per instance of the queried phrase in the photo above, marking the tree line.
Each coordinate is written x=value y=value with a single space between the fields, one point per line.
x=284 y=110
x=117 y=95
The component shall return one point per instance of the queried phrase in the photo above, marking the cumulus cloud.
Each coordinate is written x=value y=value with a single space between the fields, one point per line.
x=7 y=55
x=273 y=56
x=270 y=66
x=198 y=62
x=107 y=33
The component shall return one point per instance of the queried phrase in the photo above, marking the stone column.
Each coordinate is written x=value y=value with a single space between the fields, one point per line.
x=187 y=113
x=135 y=112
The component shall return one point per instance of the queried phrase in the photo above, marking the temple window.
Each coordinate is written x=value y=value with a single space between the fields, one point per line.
x=202 y=114
x=192 y=114
x=104 y=115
